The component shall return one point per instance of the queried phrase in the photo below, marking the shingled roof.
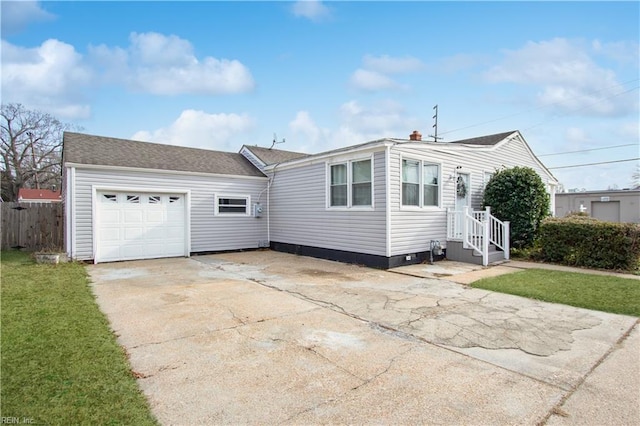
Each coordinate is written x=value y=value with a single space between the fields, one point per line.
x=485 y=140
x=97 y=150
x=272 y=156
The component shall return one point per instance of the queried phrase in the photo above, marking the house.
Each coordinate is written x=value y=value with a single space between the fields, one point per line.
x=619 y=205
x=27 y=195
x=382 y=203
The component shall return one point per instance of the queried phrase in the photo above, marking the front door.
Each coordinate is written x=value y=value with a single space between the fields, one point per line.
x=463 y=199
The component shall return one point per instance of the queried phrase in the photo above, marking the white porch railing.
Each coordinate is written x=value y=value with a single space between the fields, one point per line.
x=477 y=230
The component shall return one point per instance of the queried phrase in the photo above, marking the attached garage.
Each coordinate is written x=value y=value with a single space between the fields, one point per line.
x=127 y=200
x=140 y=225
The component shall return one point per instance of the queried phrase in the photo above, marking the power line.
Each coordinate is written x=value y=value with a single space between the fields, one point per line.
x=594 y=164
x=586 y=150
x=542 y=107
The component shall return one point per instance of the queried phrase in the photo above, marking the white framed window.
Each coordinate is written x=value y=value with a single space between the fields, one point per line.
x=431 y=184
x=486 y=178
x=410 y=183
x=350 y=184
x=420 y=183
x=361 y=183
x=338 y=196
x=232 y=205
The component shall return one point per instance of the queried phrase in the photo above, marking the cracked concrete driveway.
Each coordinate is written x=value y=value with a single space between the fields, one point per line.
x=266 y=337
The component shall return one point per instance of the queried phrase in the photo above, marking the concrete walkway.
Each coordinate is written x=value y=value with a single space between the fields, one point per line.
x=265 y=337
x=465 y=273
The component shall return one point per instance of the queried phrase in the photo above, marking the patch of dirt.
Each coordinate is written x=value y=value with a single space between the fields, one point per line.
x=319 y=273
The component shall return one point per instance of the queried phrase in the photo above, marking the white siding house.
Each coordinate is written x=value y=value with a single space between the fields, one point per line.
x=380 y=203
x=413 y=184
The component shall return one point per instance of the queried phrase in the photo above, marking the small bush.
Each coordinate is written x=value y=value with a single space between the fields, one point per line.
x=588 y=242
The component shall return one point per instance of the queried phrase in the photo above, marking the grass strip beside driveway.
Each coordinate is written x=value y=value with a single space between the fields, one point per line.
x=61 y=363
x=597 y=292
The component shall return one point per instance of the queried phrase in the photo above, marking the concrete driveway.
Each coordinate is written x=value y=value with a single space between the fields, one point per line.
x=266 y=337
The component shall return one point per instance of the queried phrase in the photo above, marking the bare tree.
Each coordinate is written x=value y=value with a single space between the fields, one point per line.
x=635 y=178
x=31 y=149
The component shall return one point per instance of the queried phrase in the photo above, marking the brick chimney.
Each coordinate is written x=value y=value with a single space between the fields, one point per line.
x=415 y=136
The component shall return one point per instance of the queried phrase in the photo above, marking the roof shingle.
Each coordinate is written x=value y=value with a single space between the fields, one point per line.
x=485 y=140
x=98 y=150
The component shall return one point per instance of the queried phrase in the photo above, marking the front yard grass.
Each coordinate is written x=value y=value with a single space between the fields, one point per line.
x=598 y=292
x=61 y=363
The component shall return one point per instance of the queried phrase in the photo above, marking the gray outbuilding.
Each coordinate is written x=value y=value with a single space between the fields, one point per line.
x=610 y=205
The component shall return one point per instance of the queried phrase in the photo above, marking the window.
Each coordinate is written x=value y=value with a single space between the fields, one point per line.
x=361 y=185
x=410 y=183
x=430 y=181
x=134 y=199
x=351 y=184
x=232 y=205
x=420 y=183
x=154 y=199
x=109 y=198
x=487 y=178
x=339 y=185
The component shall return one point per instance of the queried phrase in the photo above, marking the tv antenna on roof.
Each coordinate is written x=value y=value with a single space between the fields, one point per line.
x=435 y=125
x=275 y=141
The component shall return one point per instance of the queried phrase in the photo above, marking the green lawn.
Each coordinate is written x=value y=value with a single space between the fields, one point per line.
x=60 y=361
x=598 y=292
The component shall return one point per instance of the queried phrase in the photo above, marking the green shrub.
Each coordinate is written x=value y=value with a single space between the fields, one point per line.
x=519 y=196
x=584 y=241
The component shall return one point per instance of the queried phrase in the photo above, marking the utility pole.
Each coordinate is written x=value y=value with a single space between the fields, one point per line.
x=435 y=125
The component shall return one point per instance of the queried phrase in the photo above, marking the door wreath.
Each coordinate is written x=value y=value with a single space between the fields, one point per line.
x=461 y=187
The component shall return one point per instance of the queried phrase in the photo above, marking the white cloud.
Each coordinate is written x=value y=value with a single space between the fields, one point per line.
x=311 y=9
x=568 y=78
x=628 y=131
x=455 y=63
x=199 y=129
x=577 y=138
x=374 y=76
x=16 y=15
x=624 y=52
x=166 y=65
x=304 y=126
x=51 y=77
x=390 y=65
x=372 y=81
x=383 y=119
x=358 y=124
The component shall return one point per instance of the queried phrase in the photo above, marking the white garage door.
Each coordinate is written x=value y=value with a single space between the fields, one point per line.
x=133 y=225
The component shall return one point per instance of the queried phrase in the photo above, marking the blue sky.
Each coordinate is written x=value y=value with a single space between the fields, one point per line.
x=323 y=75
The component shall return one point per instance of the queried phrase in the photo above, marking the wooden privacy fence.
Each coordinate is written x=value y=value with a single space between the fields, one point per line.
x=32 y=226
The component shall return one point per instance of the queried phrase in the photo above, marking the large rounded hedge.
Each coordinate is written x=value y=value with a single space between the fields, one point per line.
x=519 y=196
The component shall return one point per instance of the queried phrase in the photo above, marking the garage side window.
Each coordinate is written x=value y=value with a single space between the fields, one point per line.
x=232 y=205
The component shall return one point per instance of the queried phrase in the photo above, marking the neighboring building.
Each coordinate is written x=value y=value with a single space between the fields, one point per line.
x=27 y=195
x=610 y=205
x=379 y=203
